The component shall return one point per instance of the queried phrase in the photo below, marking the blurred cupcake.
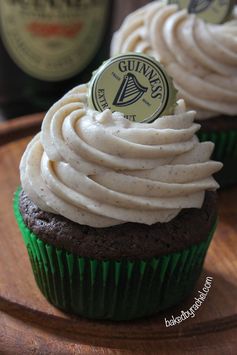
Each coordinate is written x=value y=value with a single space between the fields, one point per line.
x=117 y=216
x=202 y=60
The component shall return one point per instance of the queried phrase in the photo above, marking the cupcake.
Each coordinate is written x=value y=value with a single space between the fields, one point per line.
x=116 y=215
x=202 y=60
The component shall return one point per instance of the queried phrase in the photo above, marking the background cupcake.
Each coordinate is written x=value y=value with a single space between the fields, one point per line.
x=116 y=215
x=202 y=60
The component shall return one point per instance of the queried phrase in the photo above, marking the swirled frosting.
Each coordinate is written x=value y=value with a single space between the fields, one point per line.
x=201 y=57
x=99 y=169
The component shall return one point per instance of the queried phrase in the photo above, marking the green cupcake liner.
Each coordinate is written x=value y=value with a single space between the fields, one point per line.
x=225 y=143
x=110 y=289
x=225 y=151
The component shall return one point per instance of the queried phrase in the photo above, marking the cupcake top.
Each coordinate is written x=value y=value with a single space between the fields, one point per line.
x=201 y=57
x=100 y=169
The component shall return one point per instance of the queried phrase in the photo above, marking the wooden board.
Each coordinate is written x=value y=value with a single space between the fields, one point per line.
x=29 y=324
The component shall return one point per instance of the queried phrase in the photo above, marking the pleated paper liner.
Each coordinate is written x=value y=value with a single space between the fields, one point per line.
x=225 y=151
x=110 y=289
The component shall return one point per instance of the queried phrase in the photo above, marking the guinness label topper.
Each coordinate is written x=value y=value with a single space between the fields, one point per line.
x=213 y=11
x=135 y=85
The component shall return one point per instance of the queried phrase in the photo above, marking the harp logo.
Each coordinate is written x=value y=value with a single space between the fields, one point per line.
x=135 y=85
x=196 y=6
x=213 y=11
x=129 y=92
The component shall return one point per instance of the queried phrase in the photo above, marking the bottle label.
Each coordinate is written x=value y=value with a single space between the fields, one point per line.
x=135 y=85
x=52 y=39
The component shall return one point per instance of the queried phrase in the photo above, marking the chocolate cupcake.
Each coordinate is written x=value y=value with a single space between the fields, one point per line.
x=202 y=60
x=116 y=215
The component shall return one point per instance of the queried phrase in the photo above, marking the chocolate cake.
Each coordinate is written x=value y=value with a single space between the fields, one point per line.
x=219 y=124
x=130 y=240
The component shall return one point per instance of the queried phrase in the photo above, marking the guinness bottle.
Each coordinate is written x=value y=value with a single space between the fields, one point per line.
x=46 y=48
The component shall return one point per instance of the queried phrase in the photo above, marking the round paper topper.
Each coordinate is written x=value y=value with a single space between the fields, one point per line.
x=135 y=85
x=213 y=11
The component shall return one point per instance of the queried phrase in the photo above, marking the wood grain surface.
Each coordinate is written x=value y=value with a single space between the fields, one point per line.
x=30 y=325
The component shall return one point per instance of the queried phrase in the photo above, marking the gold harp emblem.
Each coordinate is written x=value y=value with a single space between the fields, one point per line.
x=196 y=6
x=129 y=92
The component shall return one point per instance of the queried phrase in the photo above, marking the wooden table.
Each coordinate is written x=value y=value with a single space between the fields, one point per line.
x=30 y=325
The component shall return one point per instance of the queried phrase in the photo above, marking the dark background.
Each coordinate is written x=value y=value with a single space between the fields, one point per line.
x=13 y=85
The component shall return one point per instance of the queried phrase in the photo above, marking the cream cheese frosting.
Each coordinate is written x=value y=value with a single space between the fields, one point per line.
x=200 y=57
x=100 y=169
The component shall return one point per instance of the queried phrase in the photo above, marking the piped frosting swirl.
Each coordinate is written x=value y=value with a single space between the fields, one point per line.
x=99 y=169
x=201 y=57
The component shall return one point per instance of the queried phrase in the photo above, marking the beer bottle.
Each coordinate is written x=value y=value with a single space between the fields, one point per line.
x=47 y=47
